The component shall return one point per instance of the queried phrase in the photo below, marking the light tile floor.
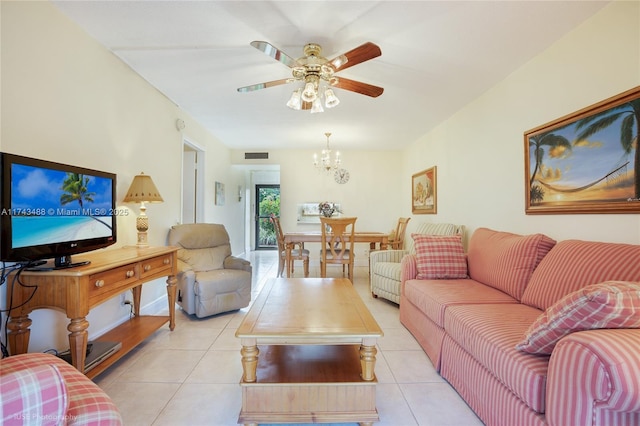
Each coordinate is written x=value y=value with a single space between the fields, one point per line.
x=190 y=376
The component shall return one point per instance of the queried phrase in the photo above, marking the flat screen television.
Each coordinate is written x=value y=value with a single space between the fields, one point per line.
x=50 y=211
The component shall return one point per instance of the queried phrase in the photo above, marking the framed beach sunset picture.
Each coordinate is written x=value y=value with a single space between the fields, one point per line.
x=586 y=162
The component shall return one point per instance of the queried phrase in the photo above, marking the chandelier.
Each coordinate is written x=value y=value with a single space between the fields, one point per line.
x=326 y=162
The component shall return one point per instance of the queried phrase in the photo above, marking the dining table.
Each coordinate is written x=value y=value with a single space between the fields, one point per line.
x=291 y=239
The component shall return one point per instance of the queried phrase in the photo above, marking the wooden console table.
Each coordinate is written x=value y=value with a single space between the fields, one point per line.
x=77 y=290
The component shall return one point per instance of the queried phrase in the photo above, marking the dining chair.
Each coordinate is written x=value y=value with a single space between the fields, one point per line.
x=397 y=242
x=337 y=243
x=299 y=253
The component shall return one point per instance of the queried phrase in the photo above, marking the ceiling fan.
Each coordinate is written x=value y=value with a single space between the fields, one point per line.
x=314 y=70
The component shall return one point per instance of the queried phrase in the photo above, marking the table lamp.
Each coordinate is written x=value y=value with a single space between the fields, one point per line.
x=142 y=190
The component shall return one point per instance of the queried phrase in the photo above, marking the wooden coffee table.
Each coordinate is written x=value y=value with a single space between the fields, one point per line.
x=308 y=354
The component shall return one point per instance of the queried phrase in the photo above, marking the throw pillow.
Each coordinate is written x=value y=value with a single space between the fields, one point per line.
x=440 y=257
x=37 y=395
x=612 y=304
x=504 y=260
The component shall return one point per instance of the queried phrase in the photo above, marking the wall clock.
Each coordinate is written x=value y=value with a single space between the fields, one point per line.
x=341 y=176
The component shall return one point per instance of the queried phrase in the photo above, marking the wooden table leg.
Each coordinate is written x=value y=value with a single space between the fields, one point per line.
x=19 y=334
x=287 y=261
x=368 y=360
x=78 y=338
x=171 y=296
x=137 y=294
x=249 y=354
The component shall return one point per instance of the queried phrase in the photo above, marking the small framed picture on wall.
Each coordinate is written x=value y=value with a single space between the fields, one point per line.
x=424 y=198
x=219 y=194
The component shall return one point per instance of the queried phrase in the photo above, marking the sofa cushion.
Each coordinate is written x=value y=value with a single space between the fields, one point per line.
x=573 y=264
x=504 y=260
x=612 y=304
x=36 y=395
x=440 y=257
x=489 y=334
x=433 y=297
x=432 y=229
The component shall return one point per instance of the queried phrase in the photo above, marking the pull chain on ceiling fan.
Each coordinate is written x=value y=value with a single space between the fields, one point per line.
x=315 y=71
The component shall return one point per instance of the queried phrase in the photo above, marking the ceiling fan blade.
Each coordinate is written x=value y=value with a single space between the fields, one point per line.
x=265 y=85
x=359 y=87
x=356 y=56
x=275 y=53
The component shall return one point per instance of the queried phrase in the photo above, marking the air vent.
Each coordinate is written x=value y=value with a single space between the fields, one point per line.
x=256 y=155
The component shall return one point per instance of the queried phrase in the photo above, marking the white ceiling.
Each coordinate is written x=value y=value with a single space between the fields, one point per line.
x=436 y=57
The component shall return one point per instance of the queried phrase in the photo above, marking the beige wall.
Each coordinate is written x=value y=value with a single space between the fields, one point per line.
x=66 y=98
x=479 y=151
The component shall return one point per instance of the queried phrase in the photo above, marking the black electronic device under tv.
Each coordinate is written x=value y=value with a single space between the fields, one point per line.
x=52 y=211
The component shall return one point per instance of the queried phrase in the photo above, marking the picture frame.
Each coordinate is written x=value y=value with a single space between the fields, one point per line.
x=586 y=162
x=424 y=192
x=219 y=194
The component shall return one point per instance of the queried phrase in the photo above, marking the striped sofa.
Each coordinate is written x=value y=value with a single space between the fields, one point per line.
x=384 y=265
x=42 y=389
x=471 y=327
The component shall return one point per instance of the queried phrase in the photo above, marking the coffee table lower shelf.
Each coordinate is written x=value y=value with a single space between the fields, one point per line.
x=309 y=384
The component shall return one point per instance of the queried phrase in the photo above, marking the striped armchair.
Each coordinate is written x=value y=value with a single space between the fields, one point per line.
x=384 y=265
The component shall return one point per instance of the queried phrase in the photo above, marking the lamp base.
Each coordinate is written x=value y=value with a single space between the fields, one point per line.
x=142 y=239
x=142 y=225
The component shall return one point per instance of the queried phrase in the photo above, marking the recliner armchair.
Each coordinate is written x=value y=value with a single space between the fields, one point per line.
x=210 y=279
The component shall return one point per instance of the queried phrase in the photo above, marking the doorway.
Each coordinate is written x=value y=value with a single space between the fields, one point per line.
x=267 y=203
x=192 y=183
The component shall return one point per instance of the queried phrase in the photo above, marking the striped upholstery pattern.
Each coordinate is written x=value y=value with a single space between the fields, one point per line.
x=384 y=273
x=423 y=307
x=36 y=396
x=385 y=263
x=434 y=299
x=88 y=404
x=494 y=403
x=489 y=334
x=504 y=260
x=408 y=269
x=590 y=263
x=428 y=334
x=593 y=379
x=612 y=304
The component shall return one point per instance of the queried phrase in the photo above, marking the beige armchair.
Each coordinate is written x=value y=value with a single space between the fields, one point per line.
x=210 y=279
x=384 y=265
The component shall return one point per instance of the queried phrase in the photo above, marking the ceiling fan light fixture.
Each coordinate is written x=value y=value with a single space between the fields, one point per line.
x=316 y=106
x=330 y=99
x=316 y=75
x=294 y=101
x=309 y=94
